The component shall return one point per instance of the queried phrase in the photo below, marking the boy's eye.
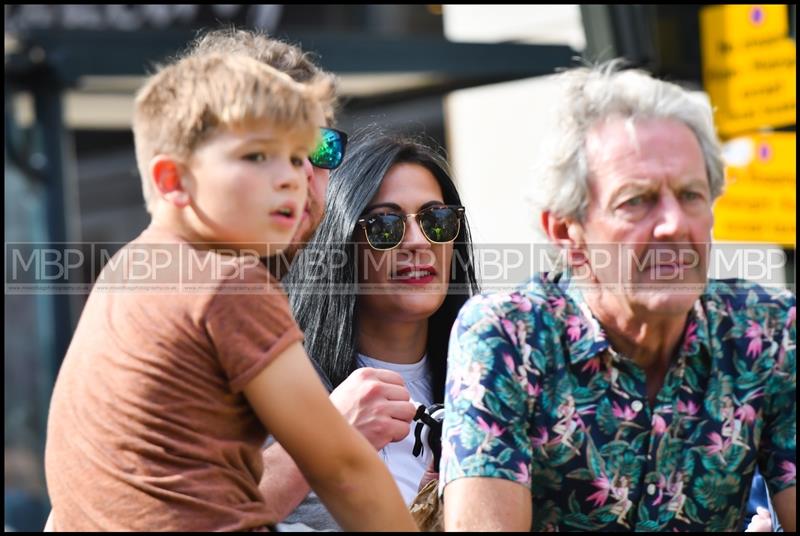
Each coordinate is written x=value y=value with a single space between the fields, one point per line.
x=297 y=161
x=255 y=157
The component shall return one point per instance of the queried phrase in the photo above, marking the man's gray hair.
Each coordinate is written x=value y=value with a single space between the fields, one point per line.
x=592 y=94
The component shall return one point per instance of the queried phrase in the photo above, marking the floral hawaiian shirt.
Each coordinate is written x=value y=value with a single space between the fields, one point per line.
x=535 y=394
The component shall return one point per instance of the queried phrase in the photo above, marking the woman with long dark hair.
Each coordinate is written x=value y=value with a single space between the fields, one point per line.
x=382 y=281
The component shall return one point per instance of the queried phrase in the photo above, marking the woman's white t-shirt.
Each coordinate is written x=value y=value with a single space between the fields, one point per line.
x=406 y=469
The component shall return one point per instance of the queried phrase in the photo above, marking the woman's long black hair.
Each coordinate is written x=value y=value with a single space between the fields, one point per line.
x=322 y=283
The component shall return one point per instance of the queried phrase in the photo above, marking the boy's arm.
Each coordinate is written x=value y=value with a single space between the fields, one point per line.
x=375 y=402
x=335 y=459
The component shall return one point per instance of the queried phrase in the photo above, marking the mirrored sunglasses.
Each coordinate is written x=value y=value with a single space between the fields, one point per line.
x=440 y=224
x=329 y=152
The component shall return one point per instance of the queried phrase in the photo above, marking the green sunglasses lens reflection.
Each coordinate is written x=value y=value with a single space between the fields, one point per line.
x=329 y=153
x=384 y=231
x=440 y=224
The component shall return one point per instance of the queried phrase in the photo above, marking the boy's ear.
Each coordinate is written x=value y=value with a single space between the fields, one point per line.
x=167 y=176
x=567 y=234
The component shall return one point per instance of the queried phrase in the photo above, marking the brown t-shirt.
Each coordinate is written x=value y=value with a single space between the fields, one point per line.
x=148 y=427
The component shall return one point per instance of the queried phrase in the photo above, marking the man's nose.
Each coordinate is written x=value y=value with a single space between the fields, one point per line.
x=672 y=220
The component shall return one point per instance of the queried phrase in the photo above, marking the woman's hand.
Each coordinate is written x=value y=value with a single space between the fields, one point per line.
x=376 y=403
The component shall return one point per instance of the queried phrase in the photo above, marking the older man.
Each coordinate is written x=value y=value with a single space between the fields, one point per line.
x=625 y=391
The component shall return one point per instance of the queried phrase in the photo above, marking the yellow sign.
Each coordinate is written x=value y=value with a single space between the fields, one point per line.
x=764 y=76
x=730 y=125
x=760 y=199
x=762 y=91
x=757 y=115
x=781 y=229
x=777 y=54
x=742 y=27
x=749 y=67
x=775 y=158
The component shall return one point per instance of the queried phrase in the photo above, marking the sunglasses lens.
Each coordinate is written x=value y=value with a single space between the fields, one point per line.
x=440 y=224
x=384 y=231
x=330 y=149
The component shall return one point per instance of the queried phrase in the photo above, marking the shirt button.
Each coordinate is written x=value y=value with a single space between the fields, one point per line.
x=637 y=406
x=651 y=489
x=649 y=458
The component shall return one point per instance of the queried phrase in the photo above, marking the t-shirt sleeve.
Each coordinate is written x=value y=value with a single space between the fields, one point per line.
x=250 y=323
x=779 y=438
x=485 y=430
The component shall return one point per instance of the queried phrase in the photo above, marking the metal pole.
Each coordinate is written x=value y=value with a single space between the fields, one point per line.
x=49 y=161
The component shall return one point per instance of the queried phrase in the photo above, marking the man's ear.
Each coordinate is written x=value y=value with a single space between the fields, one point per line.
x=567 y=234
x=167 y=176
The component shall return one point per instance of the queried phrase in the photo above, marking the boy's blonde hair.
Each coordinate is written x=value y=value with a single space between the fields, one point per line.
x=185 y=102
x=283 y=56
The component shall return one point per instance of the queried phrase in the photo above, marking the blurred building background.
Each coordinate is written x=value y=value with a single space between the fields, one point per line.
x=474 y=79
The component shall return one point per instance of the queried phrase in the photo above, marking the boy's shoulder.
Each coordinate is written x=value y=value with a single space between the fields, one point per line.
x=160 y=260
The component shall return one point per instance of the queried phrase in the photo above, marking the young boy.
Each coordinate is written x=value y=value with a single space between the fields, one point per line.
x=179 y=364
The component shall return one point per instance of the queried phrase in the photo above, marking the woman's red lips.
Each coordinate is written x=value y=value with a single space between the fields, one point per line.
x=416 y=275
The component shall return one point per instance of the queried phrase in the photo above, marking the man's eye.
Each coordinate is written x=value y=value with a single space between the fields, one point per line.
x=633 y=202
x=691 y=196
x=255 y=157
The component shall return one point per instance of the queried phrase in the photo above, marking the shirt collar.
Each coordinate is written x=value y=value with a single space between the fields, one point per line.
x=594 y=341
x=698 y=329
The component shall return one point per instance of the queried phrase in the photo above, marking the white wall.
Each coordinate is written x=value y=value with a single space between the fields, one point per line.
x=494 y=134
x=555 y=24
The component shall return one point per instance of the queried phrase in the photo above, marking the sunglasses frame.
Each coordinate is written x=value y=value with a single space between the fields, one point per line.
x=459 y=209
x=343 y=137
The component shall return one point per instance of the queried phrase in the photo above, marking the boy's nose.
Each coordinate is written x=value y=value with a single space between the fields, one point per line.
x=291 y=177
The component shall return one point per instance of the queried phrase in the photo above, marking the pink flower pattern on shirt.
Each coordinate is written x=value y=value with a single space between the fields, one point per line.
x=536 y=395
